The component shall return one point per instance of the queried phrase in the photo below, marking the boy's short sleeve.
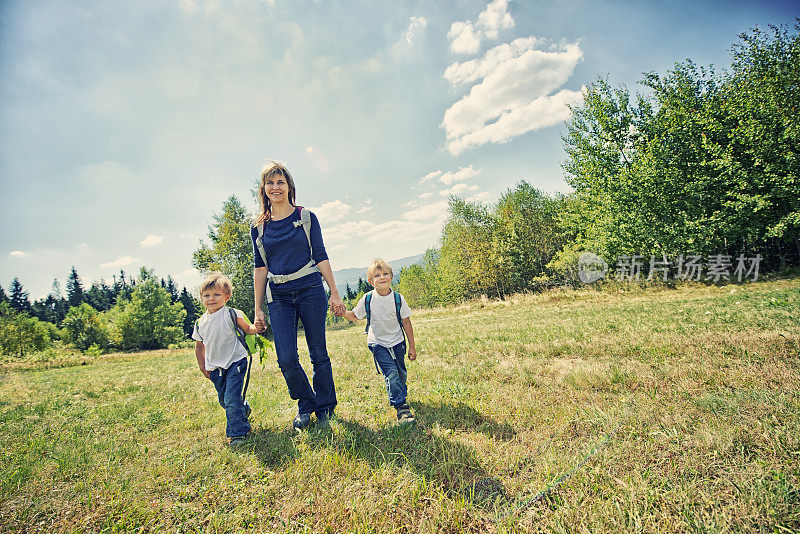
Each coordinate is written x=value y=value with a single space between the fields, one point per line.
x=360 y=311
x=405 y=311
x=239 y=313
x=196 y=334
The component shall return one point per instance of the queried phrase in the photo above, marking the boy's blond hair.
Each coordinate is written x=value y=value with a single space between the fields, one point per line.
x=378 y=263
x=217 y=279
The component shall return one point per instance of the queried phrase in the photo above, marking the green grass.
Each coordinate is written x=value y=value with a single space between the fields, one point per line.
x=685 y=401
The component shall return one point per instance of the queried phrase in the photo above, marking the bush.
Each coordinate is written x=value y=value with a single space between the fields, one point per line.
x=20 y=333
x=150 y=320
x=83 y=328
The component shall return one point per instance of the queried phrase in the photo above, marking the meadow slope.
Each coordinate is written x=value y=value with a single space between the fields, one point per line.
x=668 y=410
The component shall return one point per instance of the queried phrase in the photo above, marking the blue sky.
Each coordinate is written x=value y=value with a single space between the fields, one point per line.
x=125 y=125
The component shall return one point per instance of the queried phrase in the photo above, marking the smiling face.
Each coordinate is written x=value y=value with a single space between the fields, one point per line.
x=214 y=298
x=276 y=188
x=380 y=279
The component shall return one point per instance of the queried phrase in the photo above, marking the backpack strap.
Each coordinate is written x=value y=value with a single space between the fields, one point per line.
x=367 y=299
x=398 y=303
x=308 y=268
x=240 y=335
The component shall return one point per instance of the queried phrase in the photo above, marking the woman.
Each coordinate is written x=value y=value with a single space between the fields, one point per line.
x=289 y=259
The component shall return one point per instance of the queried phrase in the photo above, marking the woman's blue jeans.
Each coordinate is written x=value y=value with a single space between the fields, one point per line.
x=393 y=370
x=309 y=305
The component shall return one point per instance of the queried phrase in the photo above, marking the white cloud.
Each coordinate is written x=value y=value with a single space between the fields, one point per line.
x=152 y=241
x=463 y=38
x=426 y=195
x=430 y=176
x=120 y=262
x=461 y=175
x=415 y=27
x=483 y=196
x=466 y=37
x=332 y=211
x=475 y=69
x=17 y=254
x=540 y=113
x=494 y=18
x=349 y=230
x=512 y=97
x=458 y=189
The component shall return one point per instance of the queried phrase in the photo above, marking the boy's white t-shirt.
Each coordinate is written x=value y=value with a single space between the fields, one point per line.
x=218 y=334
x=384 y=329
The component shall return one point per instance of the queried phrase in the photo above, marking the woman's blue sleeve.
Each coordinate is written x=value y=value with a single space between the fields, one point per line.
x=318 y=253
x=257 y=260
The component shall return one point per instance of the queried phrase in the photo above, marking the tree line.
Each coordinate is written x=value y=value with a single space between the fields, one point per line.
x=130 y=313
x=701 y=164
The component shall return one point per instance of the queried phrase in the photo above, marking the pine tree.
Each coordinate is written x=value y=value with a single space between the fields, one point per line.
x=19 y=297
x=193 y=311
x=172 y=289
x=3 y=297
x=74 y=288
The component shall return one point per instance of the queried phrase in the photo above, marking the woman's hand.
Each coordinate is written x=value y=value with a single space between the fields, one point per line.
x=261 y=320
x=337 y=306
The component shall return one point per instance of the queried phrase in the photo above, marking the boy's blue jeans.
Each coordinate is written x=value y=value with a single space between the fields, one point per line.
x=393 y=370
x=229 y=383
x=309 y=305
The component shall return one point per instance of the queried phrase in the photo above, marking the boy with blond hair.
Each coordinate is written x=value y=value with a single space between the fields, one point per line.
x=388 y=330
x=221 y=357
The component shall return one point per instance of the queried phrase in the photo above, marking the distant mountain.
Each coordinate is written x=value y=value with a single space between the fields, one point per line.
x=351 y=276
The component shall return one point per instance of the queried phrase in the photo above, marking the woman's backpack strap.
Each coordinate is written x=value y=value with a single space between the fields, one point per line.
x=305 y=220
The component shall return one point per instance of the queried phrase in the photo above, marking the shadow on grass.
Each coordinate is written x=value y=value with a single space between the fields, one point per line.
x=461 y=416
x=273 y=447
x=443 y=462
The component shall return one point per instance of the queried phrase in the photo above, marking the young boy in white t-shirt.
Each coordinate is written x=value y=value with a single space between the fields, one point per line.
x=386 y=311
x=221 y=356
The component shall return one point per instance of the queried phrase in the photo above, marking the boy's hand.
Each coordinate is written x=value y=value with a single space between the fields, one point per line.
x=206 y=374
x=412 y=354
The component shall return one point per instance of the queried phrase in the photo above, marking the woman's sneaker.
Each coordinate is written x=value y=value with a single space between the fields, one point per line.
x=404 y=414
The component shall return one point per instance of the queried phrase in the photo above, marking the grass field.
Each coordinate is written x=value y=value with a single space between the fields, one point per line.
x=668 y=410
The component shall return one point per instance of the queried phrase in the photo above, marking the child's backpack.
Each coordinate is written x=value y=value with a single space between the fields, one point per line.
x=308 y=268
x=250 y=342
x=397 y=305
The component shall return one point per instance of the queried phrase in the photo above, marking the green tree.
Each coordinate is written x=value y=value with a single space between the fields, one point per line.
x=21 y=333
x=231 y=253
x=83 y=327
x=762 y=100
x=194 y=309
x=74 y=288
x=18 y=297
x=150 y=320
x=420 y=283
x=528 y=235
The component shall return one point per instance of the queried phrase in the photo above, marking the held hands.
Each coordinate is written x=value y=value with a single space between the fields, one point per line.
x=337 y=306
x=261 y=321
